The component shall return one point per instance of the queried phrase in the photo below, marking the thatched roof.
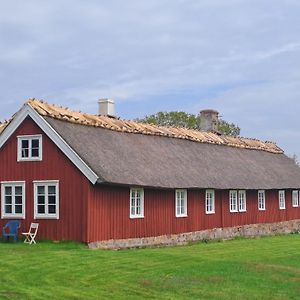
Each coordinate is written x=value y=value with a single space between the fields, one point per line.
x=65 y=114
x=129 y=153
x=156 y=161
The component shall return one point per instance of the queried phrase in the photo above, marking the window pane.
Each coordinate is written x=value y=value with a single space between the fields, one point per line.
x=52 y=189
x=25 y=153
x=18 y=199
x=8 y=190
x=25 y=144
x=34 y=152
x=18 y=190
x=51 y=209
x=8 y=199
x=41 y=209
x=41 y=190
x=41 y=199
x=51 y=199
x=35 y=143
x=8 y=209
x=18 y=209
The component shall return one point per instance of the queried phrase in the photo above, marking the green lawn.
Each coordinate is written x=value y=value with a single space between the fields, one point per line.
x=263 y=268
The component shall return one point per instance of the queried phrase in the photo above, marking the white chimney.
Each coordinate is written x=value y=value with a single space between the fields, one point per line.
x=106 y=107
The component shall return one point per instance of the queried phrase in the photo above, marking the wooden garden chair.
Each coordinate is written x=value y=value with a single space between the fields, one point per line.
x=30 y=235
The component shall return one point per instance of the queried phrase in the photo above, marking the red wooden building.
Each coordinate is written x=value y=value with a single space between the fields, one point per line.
x=93 y=178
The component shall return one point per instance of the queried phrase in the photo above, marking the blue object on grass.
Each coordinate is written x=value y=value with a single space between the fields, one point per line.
x=11 y=229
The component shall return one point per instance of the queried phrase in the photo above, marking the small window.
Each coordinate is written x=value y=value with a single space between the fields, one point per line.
x=261 y=200
x=29 y=148
x=233 y=207
x=296 y=199
x=13 y=199
x=242 y=201
x=136 y=203
x=281 y=196
x=181 y=203
x=210 y=202
x=46 y=199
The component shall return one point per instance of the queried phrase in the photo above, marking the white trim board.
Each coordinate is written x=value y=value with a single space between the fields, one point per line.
x=28 y=110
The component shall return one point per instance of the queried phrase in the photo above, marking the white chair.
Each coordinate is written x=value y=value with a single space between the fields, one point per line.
x=30 y=235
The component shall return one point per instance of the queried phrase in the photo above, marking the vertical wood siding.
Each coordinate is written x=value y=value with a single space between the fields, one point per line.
x=108 y=216
x=54 y=166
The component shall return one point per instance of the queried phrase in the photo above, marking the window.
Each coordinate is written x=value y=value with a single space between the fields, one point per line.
x=13 y=199
x=210 y=202
x=237 y=201
x=181 y=203
x=29 y=147
x=46 y=199
x=261 y=200
x=296 y=202
x=281 y=196
x=242 y=201
x=233 y=201
x=136 y=203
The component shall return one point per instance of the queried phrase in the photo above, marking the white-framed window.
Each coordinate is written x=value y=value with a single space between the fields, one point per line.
x=261 y=200
x=30 y=147
x=46 y=199
x=233 y=203
x=181 y=203
x=237 y=201
x=136 y=203
x=210 y=202
x=296 y=202
x=242 y=201
x=281 y=196
x=13 y=199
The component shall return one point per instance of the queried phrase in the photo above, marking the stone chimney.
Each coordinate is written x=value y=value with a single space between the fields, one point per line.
x=106 y=107
x=209 y=120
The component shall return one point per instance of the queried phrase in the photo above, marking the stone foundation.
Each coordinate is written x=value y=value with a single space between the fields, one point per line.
x=209 y=234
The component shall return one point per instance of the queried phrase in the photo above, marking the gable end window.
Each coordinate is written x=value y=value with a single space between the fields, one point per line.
x=46 y=199
x=261 y=200
x=136 y=203
x=296 y=202
x=13 y=200
x=181 y=203
x=281 y=196
x=30 y=148
x=210 y=202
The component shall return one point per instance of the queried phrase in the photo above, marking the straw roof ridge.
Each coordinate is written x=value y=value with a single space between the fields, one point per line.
x=116 y=124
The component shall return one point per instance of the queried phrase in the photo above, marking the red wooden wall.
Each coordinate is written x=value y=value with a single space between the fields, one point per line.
x=55 y=165
x=108 y=213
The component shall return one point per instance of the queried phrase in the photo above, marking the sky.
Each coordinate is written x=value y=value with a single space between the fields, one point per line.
x=240 y=57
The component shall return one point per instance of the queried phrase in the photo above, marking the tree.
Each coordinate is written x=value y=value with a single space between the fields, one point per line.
x=185 y=120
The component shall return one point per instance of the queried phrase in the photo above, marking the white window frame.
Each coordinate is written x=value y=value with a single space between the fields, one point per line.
x=295 y=199
x=242 y=201
x=29 y=138
x=261 y=198
x=45 y=183
x=182 y=214
x=233 y=195
x=133 y=203
x=281 y=199
x=12 y=184
x=209 y=202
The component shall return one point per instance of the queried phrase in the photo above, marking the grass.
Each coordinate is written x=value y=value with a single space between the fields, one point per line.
x=262 y=268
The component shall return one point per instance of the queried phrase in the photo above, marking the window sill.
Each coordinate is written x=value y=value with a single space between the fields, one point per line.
x=46 y=217
x=136 y=217
x=13 y=217
x=261 y=209
x=29 y=159
x=181 y=216
x=210 y=212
